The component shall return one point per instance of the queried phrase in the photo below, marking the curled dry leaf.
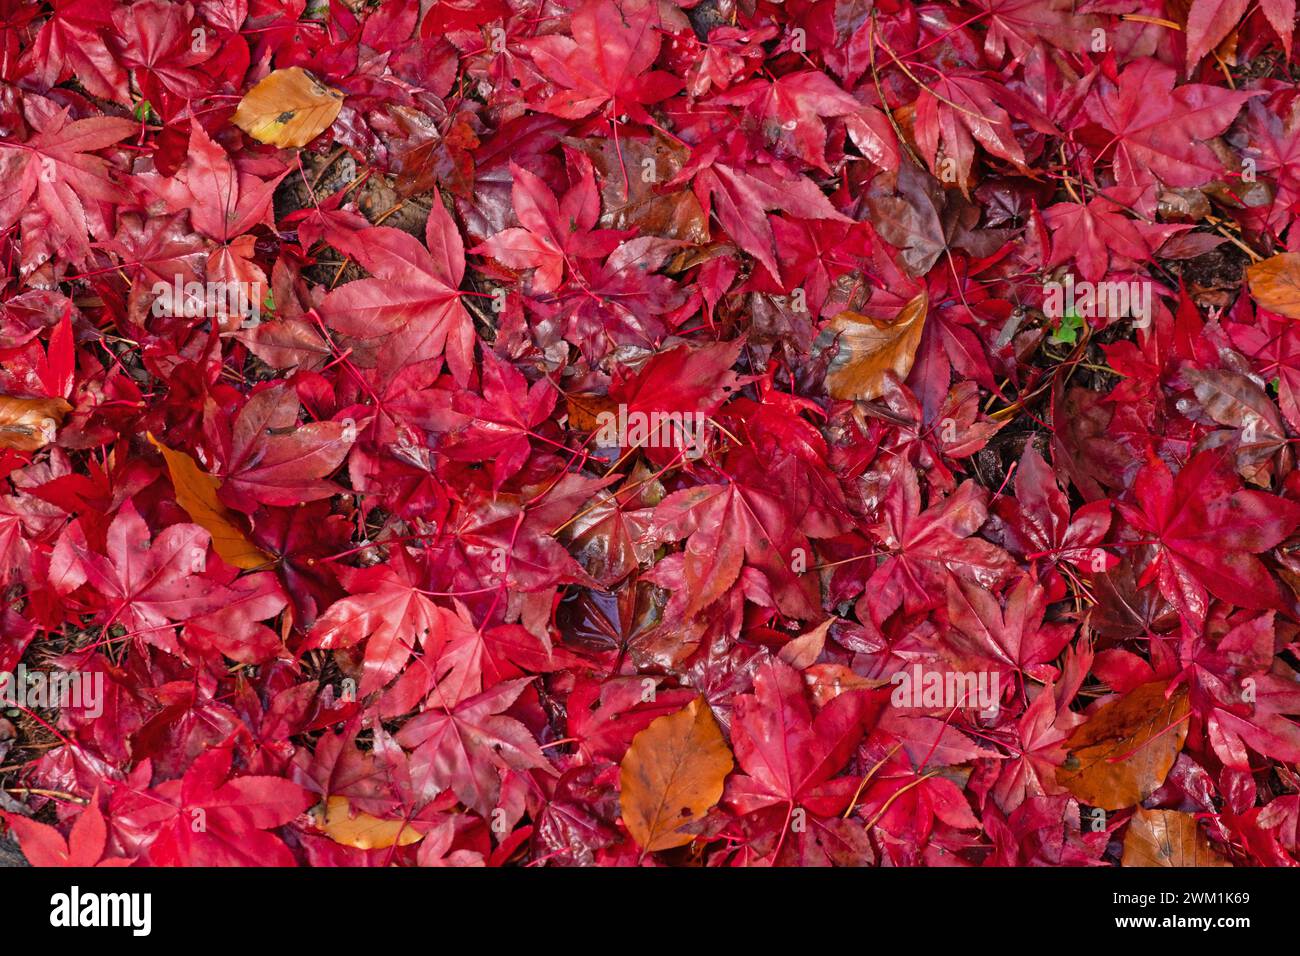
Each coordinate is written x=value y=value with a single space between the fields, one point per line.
x=1167 y=838
x=354 y=828
x=29 y=424
x=1122 y=753
x=289 y=108
x=672 y=774
x=868 y=348
x=1275 y=284
x=196 y=492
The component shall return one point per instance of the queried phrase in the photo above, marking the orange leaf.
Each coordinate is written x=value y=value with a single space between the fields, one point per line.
x=196 y=492
x=1121 y=754
x=671 y=776
x=1167 y=838
x=1275 y=284
x=351 y=827
x=28 y=424
x=868 y=348
x=288 y=108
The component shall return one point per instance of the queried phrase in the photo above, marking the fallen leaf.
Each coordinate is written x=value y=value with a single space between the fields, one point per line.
x=28 y=424
x=289 y=108
x=868 y=348
x=1167 y=838
x=671 y=776
x=196 y=492
x=354 y=828
x=1275 y=284
x=1122 y=753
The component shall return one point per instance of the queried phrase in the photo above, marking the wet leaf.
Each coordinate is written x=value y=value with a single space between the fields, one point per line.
x=29 y=424
x=196 y=492
x=1168 y=838
x=1122 y=753
x=671 y=776
x=289 y=108
x=342 y=824
x=1275 y=284
x=868 y=348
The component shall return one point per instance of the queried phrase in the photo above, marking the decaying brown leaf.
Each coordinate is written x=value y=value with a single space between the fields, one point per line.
x=629 y=175
x=1122 y=753
x=1167 y=838
x=196 y=492
x=672 y=774
x=1275 y=284
x=351 y=827
x=29 y=424
x=288 y=108
x=868 y=348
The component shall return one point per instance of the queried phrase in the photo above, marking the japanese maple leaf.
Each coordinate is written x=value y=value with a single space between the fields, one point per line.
x=1160 y=131
x=1275 y=151
x=1209 y=21
x=386 y=609
x=501 y=421
x=43 y=845
x=274 y=460
x=159 y=46
x=923 y=544
x=225 y=198
x=55 y=172
x=909 y=804
x=607 y=60
x=73 y=42
x=957 y=112
x=464 y=747
x=1013 y=634
x=1098 y=233
x=1018 y=25
x=604 y=716
x=1273 y=344
x=410 y=310
x=1207 y=531
x=727 y=525
x=147 y=585
x=790 y=109
x=552 y=230
x=681 y=379
x=789 y=755
x=1038 y=749
x=209 y=818
x=1037 y=523
x=740 y=199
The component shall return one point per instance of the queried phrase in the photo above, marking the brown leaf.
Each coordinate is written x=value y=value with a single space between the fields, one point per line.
x=196 y=492
x=1167 y=838
x=1121 y=754
x=671 y=776
x=351 y=827
x=289 y=108
x=1275 y=284
x=585 y=408
x=802 y=651
x=28 y=424
x=868 y=348
x=634 y=199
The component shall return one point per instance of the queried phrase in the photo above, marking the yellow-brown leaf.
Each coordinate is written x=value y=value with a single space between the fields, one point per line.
x=1122 y=753
x=1167 y=838
x=196 y=492
x=868 y=348
x=29 y=424
x=288 y=108
x=1275 y=284
x=671 y=776
x=351 y=827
